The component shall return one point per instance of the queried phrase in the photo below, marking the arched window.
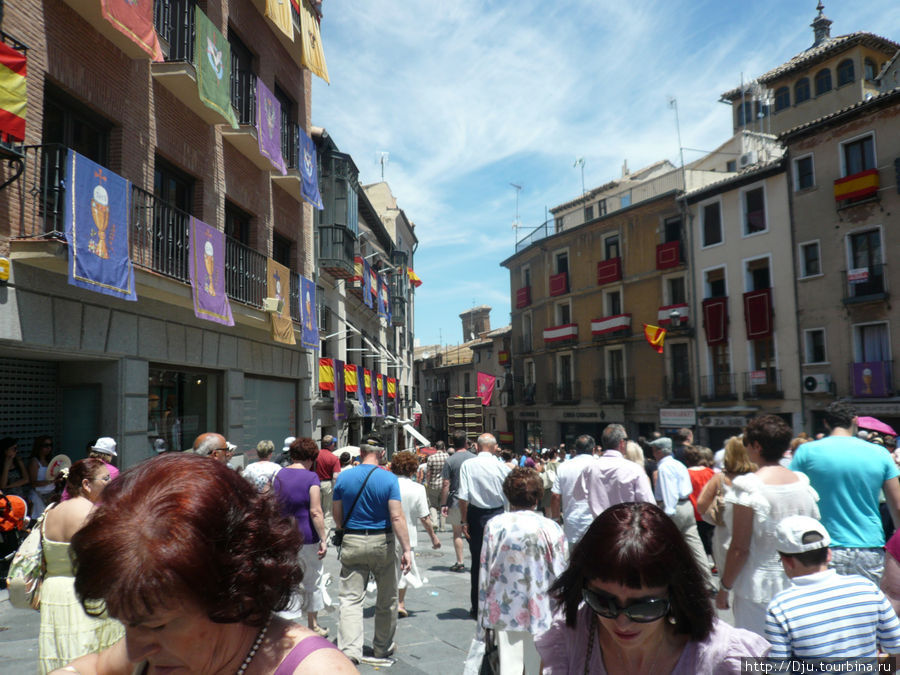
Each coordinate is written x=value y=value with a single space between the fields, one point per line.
x=871 y=70
x=845 y=72
x=823 y=81
x=801 y=90
x=782 y=98
x=744 y=113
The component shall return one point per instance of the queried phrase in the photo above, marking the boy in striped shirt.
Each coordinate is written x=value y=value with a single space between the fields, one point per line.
x=824 y=614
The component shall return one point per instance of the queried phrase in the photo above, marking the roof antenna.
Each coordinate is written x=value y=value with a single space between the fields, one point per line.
x=383 y=159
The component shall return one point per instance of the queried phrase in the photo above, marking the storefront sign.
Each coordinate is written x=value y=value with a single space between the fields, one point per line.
x=723 y=421
x=677 y=417
x=593 y=415
x=528 y=414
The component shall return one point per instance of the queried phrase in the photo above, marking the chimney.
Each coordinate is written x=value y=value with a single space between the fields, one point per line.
x=821 y=26
x=625 y=171
x=475 y=321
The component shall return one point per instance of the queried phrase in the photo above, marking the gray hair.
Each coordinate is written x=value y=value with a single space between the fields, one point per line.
x=486 y=440
x=207 y=445
x=612 y=435
x=265 y=448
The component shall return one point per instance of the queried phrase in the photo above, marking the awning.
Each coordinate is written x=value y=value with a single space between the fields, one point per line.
x=412 y=431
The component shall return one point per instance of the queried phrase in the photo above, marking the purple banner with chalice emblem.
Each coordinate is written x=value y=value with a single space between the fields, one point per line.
x=207 y=273
x=268 y=126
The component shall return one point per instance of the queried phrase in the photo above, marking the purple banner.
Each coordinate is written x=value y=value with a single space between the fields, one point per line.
x=309 y=327
x=367 y=283
x=361 y=394
x=340 y=393
x=871 y=378
x=309 y=174
x=268 y=126
x=207 y=273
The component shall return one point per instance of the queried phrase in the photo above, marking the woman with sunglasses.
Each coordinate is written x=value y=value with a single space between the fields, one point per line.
x=634 y=600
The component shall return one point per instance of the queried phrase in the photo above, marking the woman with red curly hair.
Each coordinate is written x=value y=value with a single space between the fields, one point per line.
x=194 y=562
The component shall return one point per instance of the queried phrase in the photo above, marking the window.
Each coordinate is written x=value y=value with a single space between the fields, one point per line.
x=173 y=186
x=563 y=313
x=823 y=81
x=680 y=388
x=675 y=291
x=237 y=223
x=715 y=283
x=758 y=277
x=564 y=375
x=782 y=98
x=340 y=180
x=804 y=177
x=613 y=302
x=467 y=383
x=871 y=70
x=672 y=229
x=243 y=80
x=558 y=224
x=801 y=91
x=526 y=277
x=625 y=200
x=754 y=204
x=814 y=345
x=611 y=247
x=711 y=222
x=615 y=373
x=865 y=264
x=810 y=260
x=288 y=128
x=731 y=165
x=281 y=250
x=601 y=208
x=871 y=343
x=588 y=213
x=858 y=155
x=744 y=113
x=845 y=74
x=562 y=263
x=70 y=123
x=529 y=373
x=720 y=358
x=526 y=332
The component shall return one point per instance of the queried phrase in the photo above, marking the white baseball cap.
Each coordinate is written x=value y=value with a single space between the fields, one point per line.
x=106 y=445
x=791 y=532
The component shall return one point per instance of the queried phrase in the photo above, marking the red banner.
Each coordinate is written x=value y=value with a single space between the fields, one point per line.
x=668 y=255
x=715 y=320
x=523 y=297
x=758 y=314
x=559 y=283
x=486 y=387
x=609 y=271
x=134 y=19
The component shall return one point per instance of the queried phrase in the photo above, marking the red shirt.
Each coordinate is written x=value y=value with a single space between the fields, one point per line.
x=700 y=476
x=327 y=465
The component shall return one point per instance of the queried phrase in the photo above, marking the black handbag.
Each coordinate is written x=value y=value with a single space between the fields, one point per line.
x=337 y=537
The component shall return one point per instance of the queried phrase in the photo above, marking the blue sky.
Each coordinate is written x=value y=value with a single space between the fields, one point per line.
x=469 y=96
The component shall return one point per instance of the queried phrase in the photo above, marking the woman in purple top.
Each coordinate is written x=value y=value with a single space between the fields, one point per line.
x=297 y=487
x=633 y=600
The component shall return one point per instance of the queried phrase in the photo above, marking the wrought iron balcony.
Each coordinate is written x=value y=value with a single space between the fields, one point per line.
x=337 y=247
x=763 y=383
x=718 y=387
x=678 y=387
x=564 y=392
x=866 y=284
x=614 y=389
x=243 y=96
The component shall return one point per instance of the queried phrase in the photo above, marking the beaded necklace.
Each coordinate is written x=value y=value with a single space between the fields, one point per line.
x=255 y=647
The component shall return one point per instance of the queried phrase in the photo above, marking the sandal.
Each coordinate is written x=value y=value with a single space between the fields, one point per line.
x=402 y=613
x=457 y=567
x=320 y=631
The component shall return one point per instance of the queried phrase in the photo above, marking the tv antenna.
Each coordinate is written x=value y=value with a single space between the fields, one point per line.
x=383 y=159
x=516 y=224
x=579 y=161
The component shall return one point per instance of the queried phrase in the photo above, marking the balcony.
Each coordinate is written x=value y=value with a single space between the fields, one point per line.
x=678 y=388
x=612 y=327
x=525 y=393
x=563 y=392
x=90 y=11
x=523 y=297
x=174 y=22
x=614 y=389
x=668 y=255
x=856 y=187
x=246 y=137
x=871 y=379
x=866 y=284
x=718 y=387
x=763 y=383
x=337 y=247
x=292 y=181
x=609 y=271
x=158 y=234
x=542 y=231
x=559 y=284
x=439 y=397
x=398 y=311
x=558 y=336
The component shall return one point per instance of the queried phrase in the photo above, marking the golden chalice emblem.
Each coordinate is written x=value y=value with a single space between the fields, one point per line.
x=210 y=261
x=100 y=214
x=867 y=380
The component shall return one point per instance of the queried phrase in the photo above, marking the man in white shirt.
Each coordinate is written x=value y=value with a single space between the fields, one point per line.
x=576 y=514
x=673 y=492
x=480 y=498
x=612 y=479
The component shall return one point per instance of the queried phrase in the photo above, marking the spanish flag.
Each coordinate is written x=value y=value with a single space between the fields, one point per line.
x=367 y=380
x=413 y=277
x=379 y=384
x=392 y=387
x=326 y=374
x=350 y=381
x=13 y=97
x=655 y=336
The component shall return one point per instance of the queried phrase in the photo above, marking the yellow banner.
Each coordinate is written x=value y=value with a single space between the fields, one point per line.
x=279 y=13
x=313 y=54
x=279 y=287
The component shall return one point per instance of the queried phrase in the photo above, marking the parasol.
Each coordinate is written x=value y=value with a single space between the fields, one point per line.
x=874 y=424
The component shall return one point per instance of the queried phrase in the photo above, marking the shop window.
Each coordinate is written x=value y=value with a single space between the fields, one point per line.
x=181 y=406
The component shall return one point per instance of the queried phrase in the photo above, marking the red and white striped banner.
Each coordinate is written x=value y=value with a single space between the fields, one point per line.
x=567 y=331
x=664 y=316
x=611 y=324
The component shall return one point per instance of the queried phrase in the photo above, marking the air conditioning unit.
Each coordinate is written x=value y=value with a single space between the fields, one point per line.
x=747 y=159
x=817 y=384
x=273 y=305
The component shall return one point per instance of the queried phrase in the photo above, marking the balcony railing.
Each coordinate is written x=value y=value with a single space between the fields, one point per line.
x=525 y=393
x=43 y=188
x=613 y=327
x=159 y=235
x=872 y=379
x=678 y=387
x=764 y=383
x=540 y=232
x=245 y=275
x=337 y=251
x=668 y=255
x=243 y=96
x=865 y=284
x=614 y=389
x=609 y=271
x=174 y=23
x=290 y=144
x=718 y=387
x=561 y=335
x=564 y=392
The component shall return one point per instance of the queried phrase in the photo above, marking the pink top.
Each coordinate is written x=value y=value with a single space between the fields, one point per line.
x=893 y=545
x=611 y=480
x=563 y=649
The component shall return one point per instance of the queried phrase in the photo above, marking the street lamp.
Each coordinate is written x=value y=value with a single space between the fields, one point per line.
x=675 y=318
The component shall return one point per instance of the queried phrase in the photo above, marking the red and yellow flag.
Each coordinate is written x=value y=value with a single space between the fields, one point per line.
x=655 y=336
x=367 y=380
x=326 y=374
x=13 y=97
x=379 y=384
x=413 y=277
x=350 y=382
x=392 y=387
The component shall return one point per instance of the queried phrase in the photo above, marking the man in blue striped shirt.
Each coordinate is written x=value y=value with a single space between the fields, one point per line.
x=825 y=614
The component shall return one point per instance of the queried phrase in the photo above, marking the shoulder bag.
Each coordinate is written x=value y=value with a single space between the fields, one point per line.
x=715 y=514
x=337 y=537
x=27 y=570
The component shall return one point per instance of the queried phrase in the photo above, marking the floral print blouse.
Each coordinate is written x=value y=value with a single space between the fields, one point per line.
x=522 y=555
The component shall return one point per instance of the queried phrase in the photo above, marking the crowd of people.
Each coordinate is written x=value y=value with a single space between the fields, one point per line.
x=594 y=559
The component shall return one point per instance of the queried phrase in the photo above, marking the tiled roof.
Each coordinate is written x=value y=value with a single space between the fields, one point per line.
x=741 y=175
x=820 y=52
x=874 y=101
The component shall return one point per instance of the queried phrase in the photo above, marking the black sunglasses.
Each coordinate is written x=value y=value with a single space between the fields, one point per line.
x=644 y=611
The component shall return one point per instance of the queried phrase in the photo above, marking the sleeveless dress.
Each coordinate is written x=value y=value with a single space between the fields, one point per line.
x=66 y=631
